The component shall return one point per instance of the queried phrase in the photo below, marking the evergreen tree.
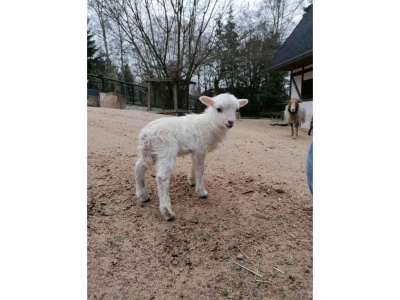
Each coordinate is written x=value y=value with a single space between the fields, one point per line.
x=126 y=74
x=91 y=52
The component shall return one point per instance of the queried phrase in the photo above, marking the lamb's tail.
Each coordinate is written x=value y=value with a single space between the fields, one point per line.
x=144 y=147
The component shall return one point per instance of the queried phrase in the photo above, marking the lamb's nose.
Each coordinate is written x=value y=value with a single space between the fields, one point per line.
x=230 y=122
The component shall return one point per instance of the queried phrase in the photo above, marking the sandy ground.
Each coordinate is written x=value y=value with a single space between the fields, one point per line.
x=259 y=203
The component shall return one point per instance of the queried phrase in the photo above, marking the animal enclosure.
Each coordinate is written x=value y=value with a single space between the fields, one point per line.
x=259 y=203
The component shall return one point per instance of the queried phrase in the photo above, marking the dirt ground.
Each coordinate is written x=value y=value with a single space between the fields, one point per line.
x=259 y=214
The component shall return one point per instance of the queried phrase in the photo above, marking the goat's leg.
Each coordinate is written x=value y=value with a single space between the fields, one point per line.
x=198 y=159
x=291 y=125
x=164 y=169
x=141 y=190
x=192 y=176
x=296 y=130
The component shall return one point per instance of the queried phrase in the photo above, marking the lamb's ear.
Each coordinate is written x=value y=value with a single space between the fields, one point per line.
x=207 y=100
x=300 y=101
x=243 y=102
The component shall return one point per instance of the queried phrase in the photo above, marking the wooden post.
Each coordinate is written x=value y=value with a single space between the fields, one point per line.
x=175 y=97
x=149 y=95
x=133 y=93
x=103 y=87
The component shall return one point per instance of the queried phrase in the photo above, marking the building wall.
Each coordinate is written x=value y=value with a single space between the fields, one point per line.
x=308 y=104
x=293 y=88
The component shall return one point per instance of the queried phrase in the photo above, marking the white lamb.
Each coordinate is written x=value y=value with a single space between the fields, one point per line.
x=295 y=114
x=162 y=140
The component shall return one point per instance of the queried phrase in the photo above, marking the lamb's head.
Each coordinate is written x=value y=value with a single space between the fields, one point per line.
x=223 y=108
x=293 y=105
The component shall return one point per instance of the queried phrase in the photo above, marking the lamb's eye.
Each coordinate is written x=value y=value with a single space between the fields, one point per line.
x=219 y=110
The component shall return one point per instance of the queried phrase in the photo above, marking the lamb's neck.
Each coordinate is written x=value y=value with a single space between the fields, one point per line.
x=218 y=132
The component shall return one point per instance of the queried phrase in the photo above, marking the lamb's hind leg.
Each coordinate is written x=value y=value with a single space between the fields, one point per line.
x=141 y=190
x=192 y=176
x=164 y=169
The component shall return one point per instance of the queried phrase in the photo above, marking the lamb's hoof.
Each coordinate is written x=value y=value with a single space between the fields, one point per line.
x=143 y=201
x=294 y=137
x=191 y=182
x=168 y=215
x=203 y=194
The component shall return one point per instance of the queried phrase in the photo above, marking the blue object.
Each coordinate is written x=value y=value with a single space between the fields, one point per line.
x=310 y=167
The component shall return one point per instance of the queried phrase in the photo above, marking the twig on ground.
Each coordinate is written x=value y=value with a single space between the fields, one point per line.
x=279 y=270
x=245 y=255
x=190 y=249
x=259 y=261
x=263 y=281
x=246 y=268
x=248 y=192
x=260 y=215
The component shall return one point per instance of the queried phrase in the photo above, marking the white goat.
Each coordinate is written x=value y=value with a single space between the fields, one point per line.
x=295 y=114
x=162 y=140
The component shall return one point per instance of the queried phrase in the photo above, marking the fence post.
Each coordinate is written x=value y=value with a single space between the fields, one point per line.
x=133 y=93
x=149 y=95
x=103 y=87
x=175 y=96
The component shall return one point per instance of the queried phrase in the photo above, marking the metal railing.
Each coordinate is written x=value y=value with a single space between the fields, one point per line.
x=135 y=93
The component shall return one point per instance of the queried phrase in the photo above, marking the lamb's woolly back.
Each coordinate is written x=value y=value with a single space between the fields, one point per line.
x=203 y=132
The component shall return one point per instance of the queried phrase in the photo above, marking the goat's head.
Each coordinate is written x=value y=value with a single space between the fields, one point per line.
x=223 y=108
x=293 y=105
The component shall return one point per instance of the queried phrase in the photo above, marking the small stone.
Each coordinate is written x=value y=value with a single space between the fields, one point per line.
x=225 y=255
x=279 y=191
x=225 y=292
x=291 y=277
x=239 y=256
x=108 y=212
x=206 y=236
x=181 y=295
x=272 y=275
x=174 y=262
x=274 y=206
x=102 y=203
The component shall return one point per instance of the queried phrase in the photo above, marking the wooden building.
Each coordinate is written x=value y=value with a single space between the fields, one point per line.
x=296 y=56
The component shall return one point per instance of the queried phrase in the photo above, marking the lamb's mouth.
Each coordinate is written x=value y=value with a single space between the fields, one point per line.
x=229 y=126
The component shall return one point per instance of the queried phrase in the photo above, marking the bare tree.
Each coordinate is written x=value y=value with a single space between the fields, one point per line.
x=282 y=13
x=171 y=38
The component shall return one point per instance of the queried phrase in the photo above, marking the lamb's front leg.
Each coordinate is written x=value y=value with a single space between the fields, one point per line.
x=192 y=175
x=198 y=159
